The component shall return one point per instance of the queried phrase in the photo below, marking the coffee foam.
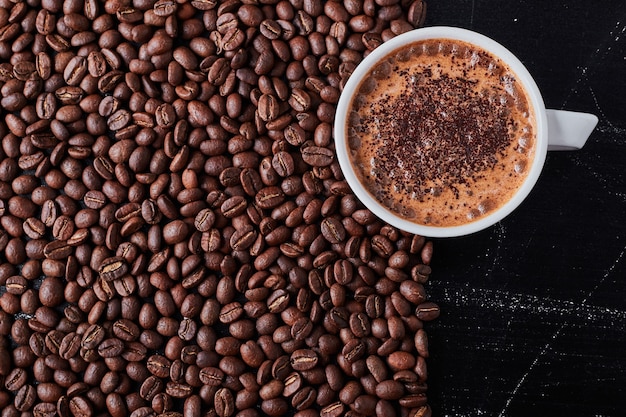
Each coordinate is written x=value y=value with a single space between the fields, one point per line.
x=441 y=132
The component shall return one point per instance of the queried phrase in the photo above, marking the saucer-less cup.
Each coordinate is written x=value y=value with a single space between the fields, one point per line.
x=555 y=130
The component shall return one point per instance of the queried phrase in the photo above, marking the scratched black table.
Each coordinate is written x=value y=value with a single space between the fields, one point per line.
x=533 y=316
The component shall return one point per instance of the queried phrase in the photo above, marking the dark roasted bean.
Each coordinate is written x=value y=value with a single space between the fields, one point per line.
x=113 y=268
x=317 y=156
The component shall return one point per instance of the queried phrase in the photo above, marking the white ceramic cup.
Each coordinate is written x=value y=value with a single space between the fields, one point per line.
x=555 y=129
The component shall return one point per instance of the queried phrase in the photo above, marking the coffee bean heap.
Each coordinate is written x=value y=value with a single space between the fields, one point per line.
x=176 y=236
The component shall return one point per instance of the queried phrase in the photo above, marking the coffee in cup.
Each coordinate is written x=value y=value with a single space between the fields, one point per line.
x=442 y=131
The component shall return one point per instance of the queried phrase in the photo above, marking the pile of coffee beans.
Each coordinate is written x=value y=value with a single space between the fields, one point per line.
x=176 y=236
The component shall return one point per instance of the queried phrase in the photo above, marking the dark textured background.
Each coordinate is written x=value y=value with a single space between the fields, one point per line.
x=533 y=316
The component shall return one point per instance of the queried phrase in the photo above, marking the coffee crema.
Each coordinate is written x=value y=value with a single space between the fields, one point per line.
x=441 y=132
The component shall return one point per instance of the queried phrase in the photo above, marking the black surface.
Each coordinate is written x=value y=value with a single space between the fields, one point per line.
x=533 y=316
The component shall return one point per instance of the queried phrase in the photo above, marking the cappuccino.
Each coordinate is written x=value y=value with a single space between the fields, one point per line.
x=441 y=132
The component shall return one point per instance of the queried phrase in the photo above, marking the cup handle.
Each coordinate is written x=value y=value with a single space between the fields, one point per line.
x=568 y=130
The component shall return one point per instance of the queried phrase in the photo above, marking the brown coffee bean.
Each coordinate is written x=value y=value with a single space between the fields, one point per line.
x=25 y=398
x=48 y=409
x=57 y=249
x=243 y=238
x=150 y=387
x=304 y=398
x=224 y=402
x=317 y=156
x=178 y=390
x=360 y=324
x=421 y=343
x=113 y=268
x=75 y=70
x=16 y=379
x=332 y=410
x=427 y=311
x=301 y=329
x=16 y=285
x=389 y=390
x=268 y=107
x=401 y=360
x=93 y=336
x=299 y=100
x=333 y=230
x=292 y=384
x=231 y=312
x=303 y=359
x=110 y=348
x=165 y=115
x=271 y=390
x=204 y=220
x=234 y=206
x=354 y=350
x=70 y=345
x=417 y=13
x=278 y=300
x=413 y=401
x=211 y=376
x=126 y=330
x=175 y=231
x=269 y=197
x=270 y=29
x=283 y=164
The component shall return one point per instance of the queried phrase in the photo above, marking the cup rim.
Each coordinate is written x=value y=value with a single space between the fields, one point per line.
x=454 y=33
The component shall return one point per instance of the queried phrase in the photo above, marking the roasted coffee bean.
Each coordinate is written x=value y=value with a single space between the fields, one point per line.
x=150 y=387
x=16 y=379
x=332 y=410
x=317 y=156
x=304 y=398
x=421 y=342
x=70 y=345
x=292 y=384
x=75 y=70
x=110 y=348
x=401 y=360
x=333 y=230
x=268 y=107
x=93 y=336
x=427 y=311
x=243 y=238
x=16 y=285
x=303 y=360
x=57 y=249
x=354 y=350
x=45 y=409
x=79 y=406
x=270 y=29
x=126 y=330
x=113 y=268
x=211 y=376
x=269 y=197
x=360 y=324
x=413 y=401
x=299 y=100
x=25 y=398
x=204 y=220
x=283 y=164
x=417 y=13
x=390 y=390
x=178 y=390
x=234 y=206
x=224 y=402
